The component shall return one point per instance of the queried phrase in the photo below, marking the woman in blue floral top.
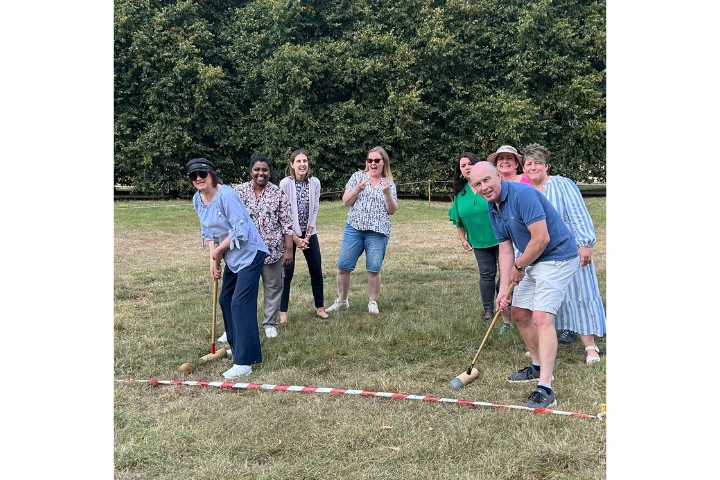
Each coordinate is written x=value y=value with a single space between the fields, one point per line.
x=225 y=221
x=269 y=208
x=372 y=197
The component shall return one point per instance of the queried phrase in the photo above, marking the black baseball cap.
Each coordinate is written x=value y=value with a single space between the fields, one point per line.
x=200 y=165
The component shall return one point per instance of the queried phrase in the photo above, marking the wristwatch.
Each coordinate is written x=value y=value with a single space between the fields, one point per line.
x=519 y=269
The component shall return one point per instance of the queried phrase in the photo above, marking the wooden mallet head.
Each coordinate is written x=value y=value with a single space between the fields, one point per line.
x=463 y=379
x=222 y=353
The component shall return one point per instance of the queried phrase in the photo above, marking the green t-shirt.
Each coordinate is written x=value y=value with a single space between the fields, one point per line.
x=470 y=212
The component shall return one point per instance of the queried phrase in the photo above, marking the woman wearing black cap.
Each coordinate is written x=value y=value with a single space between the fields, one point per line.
x=230 y=234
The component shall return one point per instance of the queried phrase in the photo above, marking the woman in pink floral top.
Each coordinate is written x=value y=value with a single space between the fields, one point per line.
x=269 y=208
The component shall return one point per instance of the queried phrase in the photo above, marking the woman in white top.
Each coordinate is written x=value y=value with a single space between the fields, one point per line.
x=371 y=195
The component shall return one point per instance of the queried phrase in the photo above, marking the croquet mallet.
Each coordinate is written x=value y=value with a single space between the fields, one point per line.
x=213 y=355
x=472 y=373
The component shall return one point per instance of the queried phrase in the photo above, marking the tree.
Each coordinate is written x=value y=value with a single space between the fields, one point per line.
x=424 y=79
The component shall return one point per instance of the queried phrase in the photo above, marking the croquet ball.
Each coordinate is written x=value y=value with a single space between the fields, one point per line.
x=186 y=367
x=456 y=384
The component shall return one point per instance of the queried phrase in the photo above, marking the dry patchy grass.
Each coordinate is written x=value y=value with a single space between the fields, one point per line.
x=428 y=331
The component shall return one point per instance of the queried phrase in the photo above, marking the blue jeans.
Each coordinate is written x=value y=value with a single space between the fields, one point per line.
x=238 y=301
x=487 y=259
x=355 y=242
x=314 y=263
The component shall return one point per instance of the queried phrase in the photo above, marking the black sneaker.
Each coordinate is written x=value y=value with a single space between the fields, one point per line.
x=540 y=399
x=526 y=374
x=568 y=336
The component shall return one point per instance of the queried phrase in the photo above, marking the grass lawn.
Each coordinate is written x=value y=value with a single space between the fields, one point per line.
x=428 y=331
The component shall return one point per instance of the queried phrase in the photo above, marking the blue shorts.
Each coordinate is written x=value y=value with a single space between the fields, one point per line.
x=354 y=242
x=544 y=285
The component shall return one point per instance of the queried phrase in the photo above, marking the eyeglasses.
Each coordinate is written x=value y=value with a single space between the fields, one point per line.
x=193 y=176
x=374 y=160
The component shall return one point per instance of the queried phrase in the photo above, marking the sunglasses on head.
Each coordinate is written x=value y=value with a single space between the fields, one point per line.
x=374 y=160
x=193 y=176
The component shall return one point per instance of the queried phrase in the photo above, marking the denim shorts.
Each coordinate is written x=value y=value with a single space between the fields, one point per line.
x=354 y=242
x=544 y=285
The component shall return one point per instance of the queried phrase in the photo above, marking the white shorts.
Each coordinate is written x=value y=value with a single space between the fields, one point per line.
x=544 y=284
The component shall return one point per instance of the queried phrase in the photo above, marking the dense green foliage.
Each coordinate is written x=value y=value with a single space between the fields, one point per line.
x=425 y=79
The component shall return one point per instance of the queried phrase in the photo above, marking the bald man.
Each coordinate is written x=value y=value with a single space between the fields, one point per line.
x=521 y=215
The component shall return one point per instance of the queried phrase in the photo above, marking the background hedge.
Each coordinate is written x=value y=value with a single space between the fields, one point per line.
x=425 y=79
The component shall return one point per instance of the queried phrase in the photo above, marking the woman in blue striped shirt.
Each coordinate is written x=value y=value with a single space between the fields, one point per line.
x=231 y=235
x=582 y=309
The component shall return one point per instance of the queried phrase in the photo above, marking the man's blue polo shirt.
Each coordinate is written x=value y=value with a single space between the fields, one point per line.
x=522 y=205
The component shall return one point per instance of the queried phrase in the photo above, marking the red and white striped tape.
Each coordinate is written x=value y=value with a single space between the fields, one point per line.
x=364 y=393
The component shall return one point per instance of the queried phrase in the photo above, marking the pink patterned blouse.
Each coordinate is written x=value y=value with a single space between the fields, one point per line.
x=271 y=214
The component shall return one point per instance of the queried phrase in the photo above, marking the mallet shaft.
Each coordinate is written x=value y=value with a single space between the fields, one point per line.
x=487 y=334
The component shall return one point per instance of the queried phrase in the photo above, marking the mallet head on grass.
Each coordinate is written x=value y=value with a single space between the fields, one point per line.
x=463 y=379
x=222 y=353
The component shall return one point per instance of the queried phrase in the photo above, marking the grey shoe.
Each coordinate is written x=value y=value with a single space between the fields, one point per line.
x=568 y=336
x=338 y=305
x=540 y=399
x=505 y=327
x=527 y=374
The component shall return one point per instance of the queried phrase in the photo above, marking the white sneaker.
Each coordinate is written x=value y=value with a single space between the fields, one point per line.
x=238 y=371
x=222 y=338
x=228 y=353
x=338 y=305
x=270 y=332
x=372 y=307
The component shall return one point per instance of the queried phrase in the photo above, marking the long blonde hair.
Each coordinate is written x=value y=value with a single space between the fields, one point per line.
x=386 y=163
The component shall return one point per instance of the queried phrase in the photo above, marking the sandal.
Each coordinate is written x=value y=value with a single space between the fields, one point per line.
x=589 y=359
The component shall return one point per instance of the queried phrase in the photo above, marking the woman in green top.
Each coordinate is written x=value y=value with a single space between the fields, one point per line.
x=469 y=213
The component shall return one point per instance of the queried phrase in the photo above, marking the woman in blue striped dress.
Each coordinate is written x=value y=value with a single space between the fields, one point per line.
x=582 y=309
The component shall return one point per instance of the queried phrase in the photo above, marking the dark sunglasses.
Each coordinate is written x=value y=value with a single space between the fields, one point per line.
x=193 y=176
x=374 y=160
